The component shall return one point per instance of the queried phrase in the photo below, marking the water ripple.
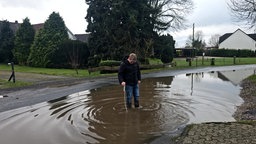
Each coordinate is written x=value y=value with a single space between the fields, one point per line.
x=99 y=115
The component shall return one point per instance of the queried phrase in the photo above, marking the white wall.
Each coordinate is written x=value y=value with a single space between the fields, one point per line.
x=238 y=40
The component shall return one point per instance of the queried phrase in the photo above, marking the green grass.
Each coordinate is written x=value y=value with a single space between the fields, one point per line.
x=180 y=64
x=10 y=84
x=48 y=71
x=154 y=61
x=252 y=78
x=220 y=61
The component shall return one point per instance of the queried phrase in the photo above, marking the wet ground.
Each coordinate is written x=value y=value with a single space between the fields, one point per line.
x=94 y=112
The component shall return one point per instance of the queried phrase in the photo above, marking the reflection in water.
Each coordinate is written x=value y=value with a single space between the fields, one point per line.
x=99 y=116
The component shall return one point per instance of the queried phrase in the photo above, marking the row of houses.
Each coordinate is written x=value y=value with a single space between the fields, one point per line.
x=236 y=40
x=81 y=37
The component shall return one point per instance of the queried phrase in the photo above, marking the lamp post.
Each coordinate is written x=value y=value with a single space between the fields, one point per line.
x=203 y=58
x=13 y=73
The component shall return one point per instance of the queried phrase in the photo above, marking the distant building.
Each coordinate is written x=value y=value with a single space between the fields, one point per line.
x=238 y=40
x=15 y=26
x=82 y=37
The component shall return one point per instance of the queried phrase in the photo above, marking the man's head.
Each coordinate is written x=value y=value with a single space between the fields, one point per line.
x=132 y=58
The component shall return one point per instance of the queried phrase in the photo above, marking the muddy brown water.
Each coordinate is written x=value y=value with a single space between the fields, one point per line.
x=99 y=115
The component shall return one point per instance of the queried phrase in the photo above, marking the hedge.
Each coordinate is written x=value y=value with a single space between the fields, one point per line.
x=230 y=53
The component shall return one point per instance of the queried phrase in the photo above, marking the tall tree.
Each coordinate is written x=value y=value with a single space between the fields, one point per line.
x=118 y=27
x=6 y=42
x=244 y=11
x=23 y=40
x=97 y=14
x=47 y=41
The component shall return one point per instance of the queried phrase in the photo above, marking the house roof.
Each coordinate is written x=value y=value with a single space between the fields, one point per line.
x=224 y=37
x=253 y=36
x=37 y=27
x=227 y=35
x=15 y=26
x=82 y=37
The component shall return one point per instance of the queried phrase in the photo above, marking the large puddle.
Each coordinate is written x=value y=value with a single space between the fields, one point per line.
x=99 y=115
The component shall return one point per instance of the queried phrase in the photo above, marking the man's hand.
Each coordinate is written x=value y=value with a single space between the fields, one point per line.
x=123 y=83
x=139 y=82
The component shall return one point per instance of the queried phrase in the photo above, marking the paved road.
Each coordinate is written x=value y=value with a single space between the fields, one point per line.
x=49 y=90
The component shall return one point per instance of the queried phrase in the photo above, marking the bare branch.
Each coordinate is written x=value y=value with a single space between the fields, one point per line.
x=173 y=12
x=243 y=11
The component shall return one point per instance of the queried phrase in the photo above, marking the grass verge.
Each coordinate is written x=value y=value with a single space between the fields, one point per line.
x=9 y=84
x=180 y=64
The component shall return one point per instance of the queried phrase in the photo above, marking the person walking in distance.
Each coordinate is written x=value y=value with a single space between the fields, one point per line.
x=129 y=76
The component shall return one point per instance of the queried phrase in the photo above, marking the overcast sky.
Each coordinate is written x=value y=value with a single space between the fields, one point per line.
x=210 y=16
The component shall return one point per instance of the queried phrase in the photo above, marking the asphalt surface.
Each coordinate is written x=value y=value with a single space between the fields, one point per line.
x=49 y=90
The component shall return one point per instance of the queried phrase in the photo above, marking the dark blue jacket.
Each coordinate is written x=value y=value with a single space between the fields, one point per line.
x=129 y=73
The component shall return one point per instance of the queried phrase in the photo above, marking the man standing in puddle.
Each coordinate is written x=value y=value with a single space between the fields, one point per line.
x=130 y=77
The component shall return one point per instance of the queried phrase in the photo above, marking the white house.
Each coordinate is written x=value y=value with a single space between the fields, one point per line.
x=238 y=40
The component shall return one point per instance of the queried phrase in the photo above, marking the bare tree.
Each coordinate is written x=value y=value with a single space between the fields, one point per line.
x=189 y=41
x=244 y=11
x=198 y=42
x=214 y=40
x=173 y=13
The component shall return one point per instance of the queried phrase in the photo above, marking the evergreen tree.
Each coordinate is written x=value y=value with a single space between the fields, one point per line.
x=6 y=42
x=97 y=15
x=47 y=41
x=165 y=48
x=118 y=27
x=23 y=40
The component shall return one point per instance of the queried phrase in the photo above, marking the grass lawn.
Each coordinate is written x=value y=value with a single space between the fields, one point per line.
x=48 y=71
x=7 y=84
x=180 y=64
x=253 y=78
x=218 y=61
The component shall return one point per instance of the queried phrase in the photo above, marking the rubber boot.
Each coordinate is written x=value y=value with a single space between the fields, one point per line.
x=129 y=105
x=136 y=104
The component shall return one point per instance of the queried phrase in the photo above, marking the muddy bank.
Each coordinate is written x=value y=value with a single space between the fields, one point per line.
x=247 y=111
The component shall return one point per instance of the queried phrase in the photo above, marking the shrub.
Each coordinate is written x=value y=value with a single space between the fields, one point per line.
x=110 y=63
x=230 y=53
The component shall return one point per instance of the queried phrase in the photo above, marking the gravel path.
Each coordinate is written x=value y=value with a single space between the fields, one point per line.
x=219 y=133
